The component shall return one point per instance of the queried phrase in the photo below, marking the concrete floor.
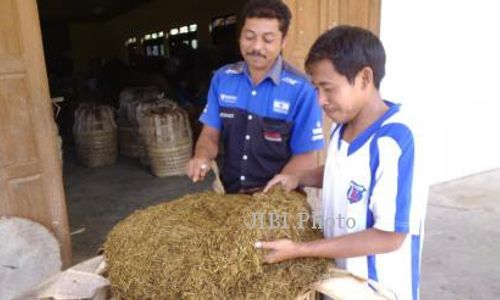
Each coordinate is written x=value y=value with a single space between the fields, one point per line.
x=99 y=198
x=463 y=239
x=462 y=231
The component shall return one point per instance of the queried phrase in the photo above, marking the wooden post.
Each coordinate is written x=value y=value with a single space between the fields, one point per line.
x=31 y=184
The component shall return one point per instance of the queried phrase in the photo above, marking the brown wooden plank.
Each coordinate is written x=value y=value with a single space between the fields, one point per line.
x=313 y=17
x=9 y=30
x=30 y=167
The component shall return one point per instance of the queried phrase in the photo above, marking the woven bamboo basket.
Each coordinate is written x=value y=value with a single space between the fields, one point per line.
x=140 y=110
x=130 y=98
x=130 y=143
x=129 y=139
x=168 y=137
x=95 y=135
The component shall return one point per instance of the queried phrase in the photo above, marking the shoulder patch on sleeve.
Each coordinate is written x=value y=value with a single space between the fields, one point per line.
x=290 y=80
x=236 y=68
x=295 y=72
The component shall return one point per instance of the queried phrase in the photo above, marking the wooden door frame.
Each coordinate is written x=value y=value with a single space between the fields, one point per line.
x=310 y=18
x=32 y=185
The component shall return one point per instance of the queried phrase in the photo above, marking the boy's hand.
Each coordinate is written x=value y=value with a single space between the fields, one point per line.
x=281 y=250
x=288 y=181
x=197 y=168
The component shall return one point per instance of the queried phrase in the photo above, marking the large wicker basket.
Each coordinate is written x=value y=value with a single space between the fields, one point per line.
x=168 y=137
x=129 y=141
x=95 y=135
x=140 y=110
x=128 y=129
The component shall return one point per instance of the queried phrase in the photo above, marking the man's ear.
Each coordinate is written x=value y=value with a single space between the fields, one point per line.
x=283 y=43
x=365 y=76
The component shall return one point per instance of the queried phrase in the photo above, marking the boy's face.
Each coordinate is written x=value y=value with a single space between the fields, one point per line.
x=340 y=99
x=261 y=42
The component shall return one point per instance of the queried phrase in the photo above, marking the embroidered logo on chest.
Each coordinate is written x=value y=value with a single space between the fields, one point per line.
x=281 y=106
x=226 y=115
x=228 y=98
x=355 y=192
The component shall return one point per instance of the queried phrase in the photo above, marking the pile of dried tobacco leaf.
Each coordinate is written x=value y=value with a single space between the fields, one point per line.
x=202 y=246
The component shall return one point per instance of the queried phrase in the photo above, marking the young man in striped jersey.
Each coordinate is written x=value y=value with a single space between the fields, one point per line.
x=373 y=206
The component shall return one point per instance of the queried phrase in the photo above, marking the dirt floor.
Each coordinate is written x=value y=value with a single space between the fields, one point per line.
x=99 y=198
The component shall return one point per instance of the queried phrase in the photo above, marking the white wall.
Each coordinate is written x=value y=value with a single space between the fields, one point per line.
x=443 y=63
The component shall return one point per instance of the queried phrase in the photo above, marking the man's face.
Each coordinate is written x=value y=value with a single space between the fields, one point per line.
x=261 y=42
x=340 y=99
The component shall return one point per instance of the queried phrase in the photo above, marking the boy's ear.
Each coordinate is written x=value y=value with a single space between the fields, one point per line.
x=366 y=77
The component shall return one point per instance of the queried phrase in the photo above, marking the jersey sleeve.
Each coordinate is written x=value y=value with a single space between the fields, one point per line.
x=391 y=200
x=307 y=131
x=210 y=115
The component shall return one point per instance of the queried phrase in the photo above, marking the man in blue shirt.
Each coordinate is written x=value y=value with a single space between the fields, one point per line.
x=265 y=111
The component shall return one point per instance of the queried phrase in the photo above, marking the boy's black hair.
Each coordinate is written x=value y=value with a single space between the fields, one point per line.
x=350 y=49
x=269 y=9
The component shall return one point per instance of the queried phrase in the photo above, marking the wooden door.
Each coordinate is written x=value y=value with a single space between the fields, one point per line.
x=30 y=167
x=310 y=18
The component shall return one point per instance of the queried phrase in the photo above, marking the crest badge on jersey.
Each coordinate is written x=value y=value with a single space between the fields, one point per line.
x=355 y=192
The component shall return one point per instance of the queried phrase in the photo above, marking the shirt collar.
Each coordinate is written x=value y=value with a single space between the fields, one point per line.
x=368 y=132
x=274 y=73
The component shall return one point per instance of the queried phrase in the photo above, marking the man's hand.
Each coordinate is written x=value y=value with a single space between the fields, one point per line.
x=197 y=168
x=281 y=250
x=289 y=182
x=205 y=151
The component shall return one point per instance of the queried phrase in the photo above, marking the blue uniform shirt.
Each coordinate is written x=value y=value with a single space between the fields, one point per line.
x=262 y=125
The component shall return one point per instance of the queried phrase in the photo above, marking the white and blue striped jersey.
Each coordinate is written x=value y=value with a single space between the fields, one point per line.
x=370 y=183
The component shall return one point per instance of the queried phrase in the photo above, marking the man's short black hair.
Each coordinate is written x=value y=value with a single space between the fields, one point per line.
x=350 y=49
x=269 y=9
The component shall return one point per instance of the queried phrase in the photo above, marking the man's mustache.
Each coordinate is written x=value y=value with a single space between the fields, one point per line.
x=256 y=53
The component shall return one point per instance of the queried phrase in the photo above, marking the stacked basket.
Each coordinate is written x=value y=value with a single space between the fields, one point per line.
x=167 y=134
x=140 y=110
x=95 y=135
x=128 y=129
